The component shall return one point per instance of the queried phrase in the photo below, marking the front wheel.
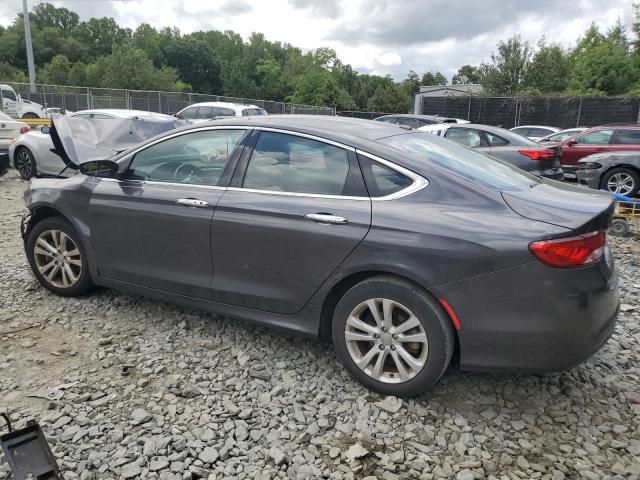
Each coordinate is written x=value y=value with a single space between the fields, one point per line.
x=25 y=163
x=30 y=115
x=392 y=336
x=57 y=257
x=623 y=181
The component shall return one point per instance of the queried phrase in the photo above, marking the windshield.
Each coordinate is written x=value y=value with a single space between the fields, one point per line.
x=463 y=161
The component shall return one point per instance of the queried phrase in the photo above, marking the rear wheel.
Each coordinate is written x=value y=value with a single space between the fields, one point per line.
x=392 y=336
x=57 y=257
x=30 y=115
x=25 y=163
x=623 y=181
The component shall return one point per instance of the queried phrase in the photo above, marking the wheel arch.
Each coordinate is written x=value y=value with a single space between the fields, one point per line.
x=336 y=292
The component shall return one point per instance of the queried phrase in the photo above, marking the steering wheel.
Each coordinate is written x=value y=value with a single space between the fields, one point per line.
x=186 y=173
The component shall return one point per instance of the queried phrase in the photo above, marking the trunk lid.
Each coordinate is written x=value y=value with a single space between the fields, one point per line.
x=576 y=208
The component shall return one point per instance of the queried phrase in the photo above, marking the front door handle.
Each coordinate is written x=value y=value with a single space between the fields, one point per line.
x=192 y=202
x=326 y=218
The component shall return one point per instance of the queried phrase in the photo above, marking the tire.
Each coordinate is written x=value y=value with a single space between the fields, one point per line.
x=76 y=280
x=405 y=299
x=619 y=227
x=30 y=115
x=622 y=180
x=25 y=163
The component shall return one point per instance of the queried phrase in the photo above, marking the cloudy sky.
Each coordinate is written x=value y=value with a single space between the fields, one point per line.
x=377 y=36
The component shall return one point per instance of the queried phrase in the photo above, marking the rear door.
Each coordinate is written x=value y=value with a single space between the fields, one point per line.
x=296 y=209
x=152 y=227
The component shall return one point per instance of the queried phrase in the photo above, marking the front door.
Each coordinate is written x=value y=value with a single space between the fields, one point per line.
x=586 y=144
x=298 y=210
x=153 y=226
x=9 y=103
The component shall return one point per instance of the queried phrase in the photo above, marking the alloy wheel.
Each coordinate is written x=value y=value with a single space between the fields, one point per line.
x=57 y=258
x=24 y=163
x=386 y=340
x=621 y=183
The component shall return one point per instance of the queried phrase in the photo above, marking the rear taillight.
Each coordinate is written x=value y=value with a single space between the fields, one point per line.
x=570 y=252
x=539 y=154
x=24 y=129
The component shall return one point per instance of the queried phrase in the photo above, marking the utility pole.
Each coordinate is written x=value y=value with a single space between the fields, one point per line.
x=27 y=37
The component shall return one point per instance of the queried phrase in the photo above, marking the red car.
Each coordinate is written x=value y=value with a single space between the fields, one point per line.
x=607 y=138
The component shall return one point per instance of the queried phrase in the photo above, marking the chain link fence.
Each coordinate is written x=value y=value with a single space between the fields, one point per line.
x=84 y=98
x=562 y=112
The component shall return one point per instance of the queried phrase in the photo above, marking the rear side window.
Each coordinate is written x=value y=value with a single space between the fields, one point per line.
x=409 y=122
x=250 y=112
x=223 y=112
x=495 y=140
x=386 y=119
x=521 y=131
x=627 y=137
x=205 y=112
x=539 y=132
x=381 y=180
x=476 y=166
x=288 y=163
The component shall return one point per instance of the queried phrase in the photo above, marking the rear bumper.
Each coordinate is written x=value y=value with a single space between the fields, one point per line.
x=553 y=174
x=534 y=318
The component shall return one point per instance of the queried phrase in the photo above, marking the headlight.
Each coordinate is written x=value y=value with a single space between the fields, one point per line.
x=589 y=166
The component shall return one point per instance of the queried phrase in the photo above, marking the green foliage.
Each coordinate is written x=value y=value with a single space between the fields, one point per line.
x=98 y=52
x=434 y=78
x=466 y=74
x=389 y=99
x=505 y=74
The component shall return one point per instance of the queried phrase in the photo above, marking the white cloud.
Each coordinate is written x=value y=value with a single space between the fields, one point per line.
x=379 y=36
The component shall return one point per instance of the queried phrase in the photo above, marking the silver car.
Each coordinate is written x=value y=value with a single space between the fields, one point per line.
x=31 y=154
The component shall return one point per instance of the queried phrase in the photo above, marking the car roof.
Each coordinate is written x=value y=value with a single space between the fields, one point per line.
x=414 y=115
x=223 y=104
x=537 y=126
x=122 y=112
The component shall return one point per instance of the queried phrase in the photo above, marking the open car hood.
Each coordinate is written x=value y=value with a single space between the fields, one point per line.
x=77 y=140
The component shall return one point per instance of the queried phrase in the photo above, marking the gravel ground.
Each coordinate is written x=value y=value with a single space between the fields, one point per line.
x=144 y=389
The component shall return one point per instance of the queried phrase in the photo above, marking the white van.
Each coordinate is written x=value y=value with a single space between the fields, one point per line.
x=14 y=106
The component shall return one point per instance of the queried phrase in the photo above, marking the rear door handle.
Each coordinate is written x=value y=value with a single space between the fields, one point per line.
x=192 y=202
x=326 y=218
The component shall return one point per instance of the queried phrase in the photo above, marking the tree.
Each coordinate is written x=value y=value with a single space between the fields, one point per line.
x=505 y=74
x=548 y=70
x=412 y=83
x=466 y=74
x=434 y=78
x=196 y=62
x=601 y=66
x=389 y=99
x=318 y=87
x=47 y=15
x=57 y=71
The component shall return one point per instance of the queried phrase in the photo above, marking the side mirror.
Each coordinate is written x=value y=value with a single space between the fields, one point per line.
x=45 y=130
x=571 y=143
x=99 y=168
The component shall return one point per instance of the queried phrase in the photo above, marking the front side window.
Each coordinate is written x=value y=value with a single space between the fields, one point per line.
x=599 y=137
x=251 y=112
x=386 y=119
x=521 y=131
x=627 y=137
x=194 y=158
x=9 y=95
x=539 y=132
x=408 y=122
x=288 y=163
x=205 y=113
x=189 y=113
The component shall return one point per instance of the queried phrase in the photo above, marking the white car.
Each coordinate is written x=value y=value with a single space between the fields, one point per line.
x=10 y=129
x=534 y=132
x=201 y=112
x=31 y=153
x=562 y=135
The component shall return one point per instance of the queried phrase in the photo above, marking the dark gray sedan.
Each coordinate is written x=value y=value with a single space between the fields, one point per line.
x=617 y=172
x=406 y=249
x=506 y=145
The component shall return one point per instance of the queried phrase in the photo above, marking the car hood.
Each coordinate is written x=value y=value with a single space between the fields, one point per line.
x=577 y=208
x=77 y=140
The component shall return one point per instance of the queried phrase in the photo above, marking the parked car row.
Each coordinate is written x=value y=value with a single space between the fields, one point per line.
x=600 y=157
